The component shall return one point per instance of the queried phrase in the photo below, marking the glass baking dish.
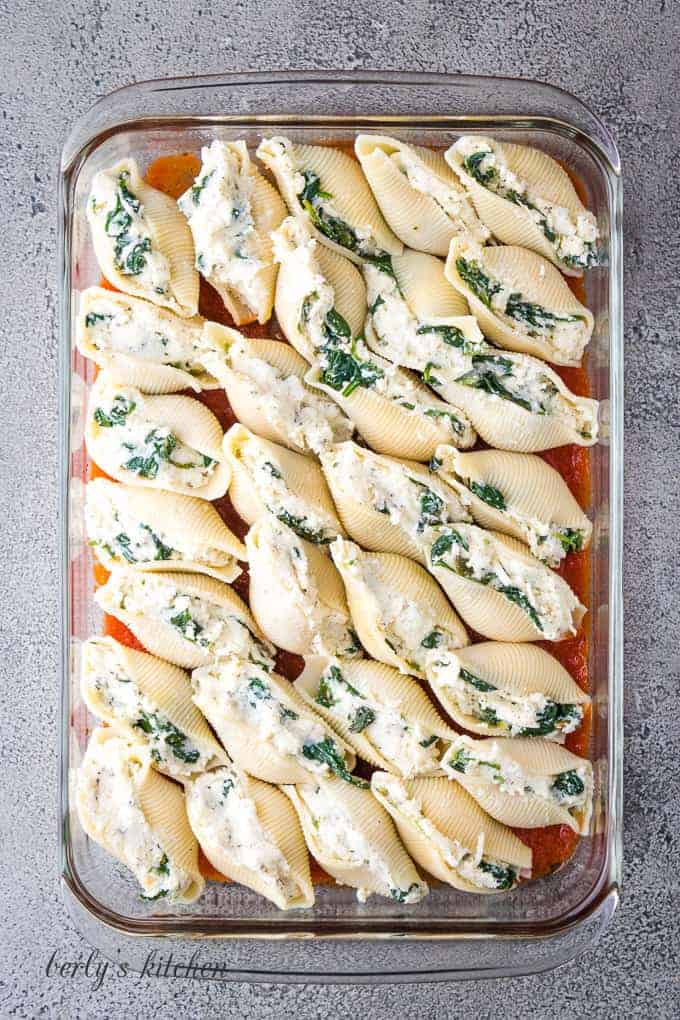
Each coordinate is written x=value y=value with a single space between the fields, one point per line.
x=449 y=935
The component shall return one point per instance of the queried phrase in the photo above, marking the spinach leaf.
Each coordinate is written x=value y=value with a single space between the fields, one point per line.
x=153 y=724
x=474 y=681
x=401 y=895
x=505 y=877
x=461 y=760
x=549 y=718
x=514 y=594
x=326 y=752
x=428 y=377
x=362 y=718
x=489 y=494
x=568 y=784
x=486 y=374
x=451 y=335
x=120 y=409
x=336 y=328
x=429 y=741
x=431 y=507
x=482 y=286
x=444 y=544
x=432 y=640
x=535 y=315
x=187 y=626
x=92 y=318
x=163 y=552
x=324 y=694
x=198 y=188
x=297 y=524
x=472 y=164
x=571 y=539
x=344 y=372
x=258 y=690
x=123 y=542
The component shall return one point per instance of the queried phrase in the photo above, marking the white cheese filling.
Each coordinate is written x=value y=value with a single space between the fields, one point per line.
x=122 y=219
x=117 y=325
x=108 y=797
x=145 y=449
x=226 y=821
x=450 y=198
x=405 y=743
x=244 y=692
x=172 y=751
x=573 y=237
x=340 y=840
x=214 y=628
x=476 y=555
x=471 y=863
x=229 y=251
x=512 y=714
x=128 y=539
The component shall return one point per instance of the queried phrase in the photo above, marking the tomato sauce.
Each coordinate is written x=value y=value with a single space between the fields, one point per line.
x=551 y=845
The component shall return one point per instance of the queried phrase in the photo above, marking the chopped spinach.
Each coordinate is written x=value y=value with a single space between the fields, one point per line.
x=568 y=784
x=429 y=741
x=298 y=525
x=401 y=895
x=431 y=506
x=92 y=318
x=324 y=694
x=336 y=329
x=123 y=542
x=549 y=718
x=198 y=188
x=571 y=539
x=163 y=552
x=188 y=627
x=376 y=305
x=272 y=470
x=163 y=866
x=149 y=899
x=474 y=681
x=345 y=372
x=489 y=494
x=156 y=725
x=120 y=409
x=362 y=718
x=513 y=594
x=535 y=315
x=258 y=690
x=162 y=449
x=287 y=713
x=311 y=199
x=227 y=787
x=505 y=877
x=428 y=377
x=432 y=640
x=472 y=164
x=486 y=374
x=488 y=716
x=451 y=335
x=479 y=283
x=326 y=752
x=460 y=761
x=444 y=544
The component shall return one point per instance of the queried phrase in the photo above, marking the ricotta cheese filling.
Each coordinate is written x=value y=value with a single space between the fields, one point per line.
x=308 y=419
x=128 y=539
x=245 y=693
x=515 y=715
x=573 y=237
x=229 y=250
x=451 y=199
x=307 y=521
x=315 y=199
x=469 y=862
x=172 y=751
x=119 y=325
x=475 y=554
x=409 y=628
x=121 y=215
x=571 y=789
x=287 y=562
x=225 y=818
x=108 y=796
x=214 y=628
x=403 y=742
x=389 y=488
x=340 y=840
x=146 y=449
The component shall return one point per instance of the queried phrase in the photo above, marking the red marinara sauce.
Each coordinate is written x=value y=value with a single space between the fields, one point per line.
x=551 y=845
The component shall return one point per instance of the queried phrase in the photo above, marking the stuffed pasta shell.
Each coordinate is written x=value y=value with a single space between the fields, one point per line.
x=142 y=242
x=388 y=505
x=325 y=189
x=138 y=816
x=266 y=478
x=141 y=344
x=250 y=833
x=320 y=296
x=231 y=210
x=384 y=716
x=149 y=700
x=508 y=690
x=264 y=383
x=354 y=839
x=266 y=727
x=400 y=613
x=187 y=619
x=525 y=197
x=159 y=531
x=520 y=495
x=500 y=589
x=296 y=594
x=525 y=783
x=419 y=195
x=522 y=303
x=157 y=442
x=449 y=836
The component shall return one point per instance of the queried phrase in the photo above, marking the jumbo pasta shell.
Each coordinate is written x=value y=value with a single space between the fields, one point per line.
x=390 y=427
x=456 y=817
x=136 y=324
x=341 y=178
x=541 y=759
x=169 y=234
x=306 y=489
x=527 y=274
x=279 y=868
x=512 y=223
x=522 y=670
x=190 y=421
x=425 y=288
x=379 y=685
x=114 y=767
x=255 y=753
x=415 y=216
x=523 y=497
x=308 y=269
x=377 y=580
x=173 y=520
x=384 y=868
x=499 y=616
x=161 y=638
x=165 y=686
x=296 y=595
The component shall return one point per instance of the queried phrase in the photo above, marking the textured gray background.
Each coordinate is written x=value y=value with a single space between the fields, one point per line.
x=620 y=56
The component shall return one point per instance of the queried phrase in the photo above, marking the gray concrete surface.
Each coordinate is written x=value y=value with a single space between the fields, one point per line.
x=620 y=56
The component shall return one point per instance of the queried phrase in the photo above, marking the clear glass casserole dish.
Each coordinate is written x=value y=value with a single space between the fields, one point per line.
x=449 y=935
